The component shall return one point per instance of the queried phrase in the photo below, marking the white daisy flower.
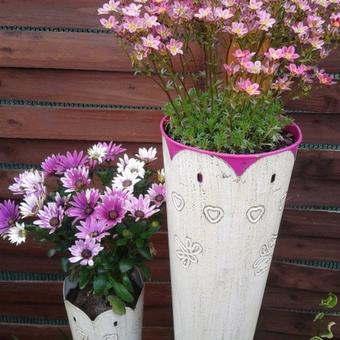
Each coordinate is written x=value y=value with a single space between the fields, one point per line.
x=17 y=234
x=30 y=205
x=29 y=182
x=122 y=163
x=125 y=181
x=97 y=152
x=147 y=155
x=132 y=166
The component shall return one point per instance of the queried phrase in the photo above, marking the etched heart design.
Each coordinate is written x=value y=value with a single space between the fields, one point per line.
x=254 y=214
x=178 y=201
x=213 y=214
x=111 y=337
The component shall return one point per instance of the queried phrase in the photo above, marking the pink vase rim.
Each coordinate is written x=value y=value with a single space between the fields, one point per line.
x=239 y=162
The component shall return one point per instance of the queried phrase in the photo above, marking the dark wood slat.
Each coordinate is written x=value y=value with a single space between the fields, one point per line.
x=126 y=126
x=292 y=323
x=50 y=13
x=79 y=51
x=307 y=278
x=80 y=87
x=263 y=335
x=46 y=123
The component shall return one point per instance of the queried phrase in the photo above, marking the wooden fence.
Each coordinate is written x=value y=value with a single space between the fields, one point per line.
x=65 y=84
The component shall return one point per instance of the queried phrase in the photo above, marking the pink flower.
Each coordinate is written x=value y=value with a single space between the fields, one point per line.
x=157 y=194
x=282 y=84
x=324 y=78
x=112 y=210
x=239 y=29
x=50 y=217
x=289 y=53
x=203 y=13
x=253 y=67
x=151 y=42
x=231 y=69
x=335 y=20
x=133 y=24
x=244 y=55
x=274 y=54
x=132 y=10
x=181 y=10
x=50 y=165
x=84 y=251
x=9 y=215
x=222 y=14
x=163 y=31
x=110 y=23
x=246 y=85
x=150 y=21
x=317 y=43
x=255 y=5
x=300 y=28
x=315 y=21
x=72 y=160
x=175 y=47
x=141 y=208
x=265 y=20
x=270 y=68
x=92 y=228
x=111 y=6
x=297 y=70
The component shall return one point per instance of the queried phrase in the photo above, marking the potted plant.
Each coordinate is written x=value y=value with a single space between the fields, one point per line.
x=228 y=146
x=99 y=214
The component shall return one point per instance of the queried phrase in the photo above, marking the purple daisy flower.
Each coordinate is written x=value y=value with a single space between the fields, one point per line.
x=62 y=201
x=9 y=214
x=141 y=208
x=83 y=204
x=72 y=160
x=112 y=210
x=113 y=150
x=124 y=194
x=92 y=228
x=51 y=217
x=29 y=182
x=84 y=251
x=76 y=179
x=51 y=165
x=157 y=194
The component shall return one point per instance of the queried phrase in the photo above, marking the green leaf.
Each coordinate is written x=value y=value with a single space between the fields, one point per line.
x=121 y=242
x=127 y=283
x=84 y=277
x=330 y=301
x=51 y=252
x=125 y=264
x=118 y=306
x=328 y=334
x=145 y=271
x=319 y=316
x=145 y=253
x=121 y=291
x=99 y=284
x=316 y=338
x=65 y=264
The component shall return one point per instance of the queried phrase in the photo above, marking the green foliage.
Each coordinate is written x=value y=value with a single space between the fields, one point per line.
x=233 y=123
x=325 y=328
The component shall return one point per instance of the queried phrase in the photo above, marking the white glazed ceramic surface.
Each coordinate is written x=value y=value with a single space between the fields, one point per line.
x=107 y=326
x=222 y=234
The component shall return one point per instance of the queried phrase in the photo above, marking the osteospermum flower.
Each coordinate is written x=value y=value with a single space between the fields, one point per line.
x=84 y=251
x=50 y=217
x=9 y=214
x=76 y=179
x=141 y=208
x=31 y=205
x=83 y=204
x=123 y=194
x=147 y=155
x=51 y=165
x=157 y=194
x=97 y=152
x=29 y=182
x=17 y=234
x=112 y=150
x=112 y=210
x=131 y=166
x=72 y=160
x=62 y=201
x=125 y=181
x=92 y=228
x=161 y=175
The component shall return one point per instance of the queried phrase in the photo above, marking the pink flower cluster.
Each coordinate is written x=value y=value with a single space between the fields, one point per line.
x=286 y=38
x=94 y=212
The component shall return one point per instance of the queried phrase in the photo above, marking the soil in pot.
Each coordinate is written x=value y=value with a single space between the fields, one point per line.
x=94 y=305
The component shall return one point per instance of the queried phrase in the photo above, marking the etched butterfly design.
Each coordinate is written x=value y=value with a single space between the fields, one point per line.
x=188 y=251
x=266 y=253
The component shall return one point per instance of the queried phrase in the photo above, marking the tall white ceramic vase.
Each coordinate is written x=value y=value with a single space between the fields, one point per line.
x=107 y=325
x=224 y=213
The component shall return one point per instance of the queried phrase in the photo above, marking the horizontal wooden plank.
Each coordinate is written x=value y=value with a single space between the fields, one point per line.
x=34 y=332
x=264 y=335
x=80 y=87
x=79 y=51
x=118 y=88
x=36 y=122
x=50 y=13
x=47 y=123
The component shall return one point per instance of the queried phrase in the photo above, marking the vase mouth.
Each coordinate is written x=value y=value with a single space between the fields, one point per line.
x=294 y=129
